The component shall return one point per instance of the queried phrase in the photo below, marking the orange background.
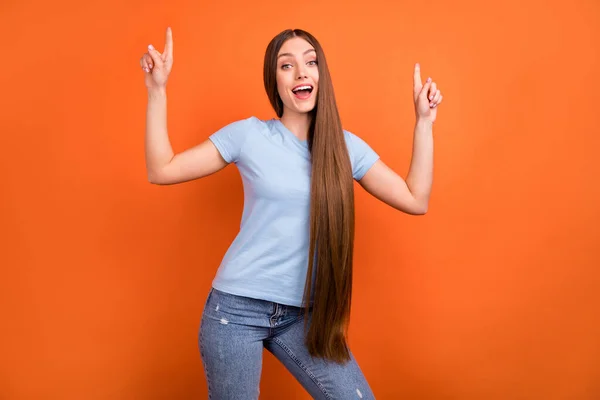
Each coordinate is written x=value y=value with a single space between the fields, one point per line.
x=494 y=294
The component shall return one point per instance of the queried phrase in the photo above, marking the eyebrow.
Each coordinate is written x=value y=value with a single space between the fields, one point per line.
x=290 y=54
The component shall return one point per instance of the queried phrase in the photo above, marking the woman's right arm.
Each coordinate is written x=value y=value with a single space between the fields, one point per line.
x=162 y=165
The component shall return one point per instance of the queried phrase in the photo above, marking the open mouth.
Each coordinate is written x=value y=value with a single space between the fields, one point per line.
x=302 y=92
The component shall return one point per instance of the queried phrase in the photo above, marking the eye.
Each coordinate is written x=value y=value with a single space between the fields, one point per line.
x=314 y=62
x=283 y=66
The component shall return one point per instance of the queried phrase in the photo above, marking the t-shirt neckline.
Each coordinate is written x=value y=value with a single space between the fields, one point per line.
x=285 y=130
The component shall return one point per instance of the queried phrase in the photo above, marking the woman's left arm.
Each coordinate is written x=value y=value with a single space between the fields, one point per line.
x=411 y=195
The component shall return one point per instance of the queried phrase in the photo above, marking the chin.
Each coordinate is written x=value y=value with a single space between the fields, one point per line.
x=304 y=108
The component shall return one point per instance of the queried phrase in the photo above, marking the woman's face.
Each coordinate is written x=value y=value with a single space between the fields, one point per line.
x=297 y=76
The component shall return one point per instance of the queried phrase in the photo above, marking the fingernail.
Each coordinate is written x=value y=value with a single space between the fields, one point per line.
x=431 y=97
x=150 y=47
x=428 y=79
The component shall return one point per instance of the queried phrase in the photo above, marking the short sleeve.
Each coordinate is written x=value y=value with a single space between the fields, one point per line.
x=230 y=139
x=362 y=156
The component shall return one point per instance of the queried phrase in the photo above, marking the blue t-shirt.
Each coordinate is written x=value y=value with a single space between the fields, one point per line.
x=268 y=259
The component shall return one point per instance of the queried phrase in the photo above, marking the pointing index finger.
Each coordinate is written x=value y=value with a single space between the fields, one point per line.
x=169 y=44
x=417 y=76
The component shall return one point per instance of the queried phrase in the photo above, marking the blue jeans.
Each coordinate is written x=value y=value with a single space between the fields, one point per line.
x=235 y=329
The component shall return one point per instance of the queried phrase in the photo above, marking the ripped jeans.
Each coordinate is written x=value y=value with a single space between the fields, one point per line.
x=235 y=329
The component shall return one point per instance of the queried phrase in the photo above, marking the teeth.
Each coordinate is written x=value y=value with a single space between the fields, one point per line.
x=306 y=87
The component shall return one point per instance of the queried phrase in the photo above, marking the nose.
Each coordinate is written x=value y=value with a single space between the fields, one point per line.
x=301 y=72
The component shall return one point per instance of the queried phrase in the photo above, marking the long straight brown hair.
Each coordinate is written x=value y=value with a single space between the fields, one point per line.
x=331 y=210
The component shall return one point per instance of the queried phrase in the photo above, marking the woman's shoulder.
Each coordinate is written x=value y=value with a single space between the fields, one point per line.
x=247 y=122
x=355 y=143
x=232 y=138
x=351 y=138
x=251 y=123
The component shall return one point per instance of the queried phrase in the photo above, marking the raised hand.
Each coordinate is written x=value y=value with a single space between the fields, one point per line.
x=157 y=66
x=427 y=97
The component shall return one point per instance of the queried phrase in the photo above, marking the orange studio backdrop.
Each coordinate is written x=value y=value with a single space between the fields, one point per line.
x=494 y=294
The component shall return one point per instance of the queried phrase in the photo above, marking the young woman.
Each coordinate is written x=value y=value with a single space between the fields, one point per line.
x=285 y=282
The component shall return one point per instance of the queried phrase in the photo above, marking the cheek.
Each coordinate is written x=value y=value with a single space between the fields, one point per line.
x=280 y=85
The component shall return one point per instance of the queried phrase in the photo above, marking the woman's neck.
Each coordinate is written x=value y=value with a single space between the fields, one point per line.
x=297 y=123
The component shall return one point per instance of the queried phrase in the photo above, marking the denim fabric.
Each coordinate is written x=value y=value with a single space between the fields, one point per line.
x=233 y=333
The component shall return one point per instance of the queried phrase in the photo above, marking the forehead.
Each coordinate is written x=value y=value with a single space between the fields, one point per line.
x=295 y=46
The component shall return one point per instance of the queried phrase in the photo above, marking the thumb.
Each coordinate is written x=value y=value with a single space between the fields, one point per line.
x=426 y=87
x=155 y=55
